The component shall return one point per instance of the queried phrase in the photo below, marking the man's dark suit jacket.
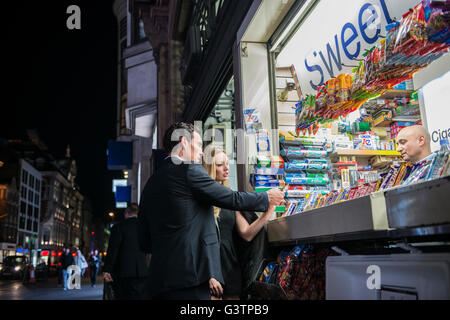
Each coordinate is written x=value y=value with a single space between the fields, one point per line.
x=176 y=225
x=124 y=258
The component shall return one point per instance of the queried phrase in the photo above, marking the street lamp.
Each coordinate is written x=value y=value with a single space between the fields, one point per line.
x=111 y=214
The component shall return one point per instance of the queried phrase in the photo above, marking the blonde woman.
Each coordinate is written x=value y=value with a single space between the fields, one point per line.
x=231 y=224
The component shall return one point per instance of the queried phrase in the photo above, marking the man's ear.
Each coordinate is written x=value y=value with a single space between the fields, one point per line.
x=421 y=140
x=183 y=142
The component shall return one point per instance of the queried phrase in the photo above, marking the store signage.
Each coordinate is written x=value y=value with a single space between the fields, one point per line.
x=118 y=183
x=119 y=155
x=123 y=193
x=121 y=205
x=435 y=96
x=335 y=34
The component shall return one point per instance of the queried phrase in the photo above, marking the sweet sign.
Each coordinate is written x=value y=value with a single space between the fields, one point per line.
x=336 y=33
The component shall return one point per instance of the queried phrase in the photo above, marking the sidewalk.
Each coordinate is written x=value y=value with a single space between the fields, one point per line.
x=49 y=290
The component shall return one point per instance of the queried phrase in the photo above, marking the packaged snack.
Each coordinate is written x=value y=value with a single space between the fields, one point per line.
x=268 y=271
x=276 y=162
x=266 y=181
x=262 y=141
x=252 y=120
x=263 y=161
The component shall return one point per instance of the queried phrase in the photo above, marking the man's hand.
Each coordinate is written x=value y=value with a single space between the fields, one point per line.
x=215 y=288
x=276 y=197
x=107 y=277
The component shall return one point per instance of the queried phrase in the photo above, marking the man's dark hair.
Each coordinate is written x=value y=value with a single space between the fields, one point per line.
x=183 y=130
x=132 y=208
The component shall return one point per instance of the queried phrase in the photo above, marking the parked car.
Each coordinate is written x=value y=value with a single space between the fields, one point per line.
x=42 y=271
x=14 y=267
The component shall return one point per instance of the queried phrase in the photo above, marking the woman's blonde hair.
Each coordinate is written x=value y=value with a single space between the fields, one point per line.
x=210 y=166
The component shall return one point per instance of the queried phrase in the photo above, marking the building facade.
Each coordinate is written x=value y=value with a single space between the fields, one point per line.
x=29 y=208
x=9 y=200
x=41 y=207
x=195 y=48
x=137 y=96
x=63 y=209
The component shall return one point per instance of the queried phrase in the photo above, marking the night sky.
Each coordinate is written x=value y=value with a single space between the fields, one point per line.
x=63 y=83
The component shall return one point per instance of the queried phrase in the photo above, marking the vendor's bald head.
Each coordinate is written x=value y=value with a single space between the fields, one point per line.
x=414 y=143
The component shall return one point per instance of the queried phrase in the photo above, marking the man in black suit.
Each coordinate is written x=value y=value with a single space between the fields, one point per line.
x=125 y=262
x=176 y=220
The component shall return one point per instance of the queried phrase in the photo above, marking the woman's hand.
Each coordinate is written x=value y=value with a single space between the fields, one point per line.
x=215 y=288
x=107 y=277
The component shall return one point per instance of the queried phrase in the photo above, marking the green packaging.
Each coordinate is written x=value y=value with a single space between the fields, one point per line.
x=263 y=162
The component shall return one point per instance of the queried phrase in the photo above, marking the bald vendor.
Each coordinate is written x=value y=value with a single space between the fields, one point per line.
x=414 y=145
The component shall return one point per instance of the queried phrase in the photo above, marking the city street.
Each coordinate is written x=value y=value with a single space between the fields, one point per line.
x=49 y=290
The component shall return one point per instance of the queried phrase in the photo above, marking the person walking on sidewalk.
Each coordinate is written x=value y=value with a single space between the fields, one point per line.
x=125 y=262
x=94 y=266
x=176 y=221
x=66 y=261
x=80 y=261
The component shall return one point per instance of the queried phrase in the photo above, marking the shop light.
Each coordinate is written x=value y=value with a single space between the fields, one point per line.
x=293 y=22
x=59 y=253
x=44 y=253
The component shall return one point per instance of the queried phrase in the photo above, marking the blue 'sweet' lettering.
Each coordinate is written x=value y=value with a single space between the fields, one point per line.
x=346 y=43
x=336 y=56
x=312 y=69
x=372 y=19
x=336 y=61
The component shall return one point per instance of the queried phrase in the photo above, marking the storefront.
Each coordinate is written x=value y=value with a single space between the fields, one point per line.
x=322 y=105
x=7 y=249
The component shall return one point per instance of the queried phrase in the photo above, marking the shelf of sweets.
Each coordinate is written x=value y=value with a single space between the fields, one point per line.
x=418 y=210
x=306 y=169
x=264 y=189
x=406 y=118
x=365 y=153
x=395 y=94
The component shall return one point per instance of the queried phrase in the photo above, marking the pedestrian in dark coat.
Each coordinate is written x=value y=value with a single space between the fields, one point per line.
x=94 y=266
x=125 y=262
x=66 y=261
